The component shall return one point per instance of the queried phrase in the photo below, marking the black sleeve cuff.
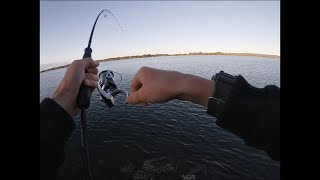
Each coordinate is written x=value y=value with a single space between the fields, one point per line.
x=242 y=108
x=253 y=114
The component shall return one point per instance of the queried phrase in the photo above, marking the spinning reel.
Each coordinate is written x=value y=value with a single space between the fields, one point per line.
x=108 y=88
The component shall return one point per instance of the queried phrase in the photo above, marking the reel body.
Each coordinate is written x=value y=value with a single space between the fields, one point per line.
x=107 y=88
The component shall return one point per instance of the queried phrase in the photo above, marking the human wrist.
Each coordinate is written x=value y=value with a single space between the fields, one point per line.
x=196 y=89
x=66 y=99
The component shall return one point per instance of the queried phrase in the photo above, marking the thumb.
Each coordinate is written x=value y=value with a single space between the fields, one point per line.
x=135 y=97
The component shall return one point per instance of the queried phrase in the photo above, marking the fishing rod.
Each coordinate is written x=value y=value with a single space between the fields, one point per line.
x=83 y=100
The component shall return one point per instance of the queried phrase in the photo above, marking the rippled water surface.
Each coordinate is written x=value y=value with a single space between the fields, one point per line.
x=167 y=141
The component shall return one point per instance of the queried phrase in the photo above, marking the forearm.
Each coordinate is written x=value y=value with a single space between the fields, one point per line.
x=56 y=126
x=196 y=89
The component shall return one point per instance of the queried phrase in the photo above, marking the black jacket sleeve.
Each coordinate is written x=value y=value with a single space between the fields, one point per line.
x=56 y=126
x=253 y=114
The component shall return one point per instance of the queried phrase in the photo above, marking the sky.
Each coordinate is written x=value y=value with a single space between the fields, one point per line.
x=151 y=27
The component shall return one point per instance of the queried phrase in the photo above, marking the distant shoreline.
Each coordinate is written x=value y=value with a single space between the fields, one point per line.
x=159 y=55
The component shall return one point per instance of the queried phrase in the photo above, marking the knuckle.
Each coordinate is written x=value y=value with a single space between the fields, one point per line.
x=77 y=63
x=143 y=69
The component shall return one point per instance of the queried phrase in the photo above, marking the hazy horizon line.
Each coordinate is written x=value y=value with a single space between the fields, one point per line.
x=170 y=54
x=58 y=65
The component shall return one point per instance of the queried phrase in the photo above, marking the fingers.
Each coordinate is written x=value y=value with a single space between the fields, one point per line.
x=137 y=97
x=93 y=70
x=89 y=63
x=133 y=98
x=135 y=85
x=138 y=90
x=137 y=81
x=145 y=104
x=91 y=80
x=86 y=63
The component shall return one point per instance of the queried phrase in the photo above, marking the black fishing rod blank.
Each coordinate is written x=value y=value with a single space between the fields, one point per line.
x=83 y=102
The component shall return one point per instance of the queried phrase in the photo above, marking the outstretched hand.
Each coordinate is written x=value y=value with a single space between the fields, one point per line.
x=151 y=85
